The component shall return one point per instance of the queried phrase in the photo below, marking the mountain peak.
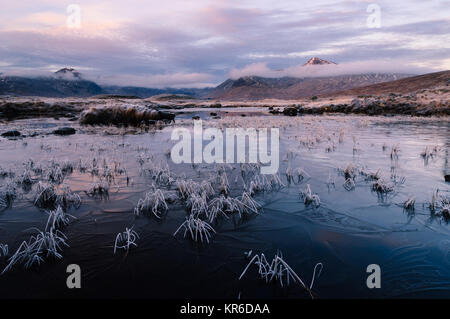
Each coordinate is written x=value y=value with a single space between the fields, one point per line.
x=317 y=61
x=68 y=73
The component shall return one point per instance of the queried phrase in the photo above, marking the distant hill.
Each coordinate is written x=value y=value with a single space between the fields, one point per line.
x=148 y=92
x=47 y=87
x=406 y=85
x=255 y=87
x=68 y=82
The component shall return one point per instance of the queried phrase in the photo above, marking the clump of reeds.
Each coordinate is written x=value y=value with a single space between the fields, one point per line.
x=4 y=250
x=430 y=152
x=126 y=239
x=247 y=204
x=350 y=171
x=260 y=183
x=279 y=271
x=395 y=151
x=25 y=179
x=67 y=167
x=47 y=196
x=7 y=195
x=154 y=202
x=331 y=147
x=309 y=197
x=123 y=116
x=6 y=173
x=188 y=187
x=197 y=204
x=219 y=206
x=289 y=174
x=55 y=174
x=331 y=181
x=296 y=175
x=439 y=204
x=382 y=187
x=371 y=176
x=409 y=203
x=160 y=173
x=44 y=245
x=224 y=185
x=198 y=229
x=66 y=198
x=99 y=189
x=58 y=219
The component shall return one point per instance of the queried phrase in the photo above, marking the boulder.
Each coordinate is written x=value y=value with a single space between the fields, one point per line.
x=166 y=116
x=11 y=134
x=290 y=111
x=65 y=131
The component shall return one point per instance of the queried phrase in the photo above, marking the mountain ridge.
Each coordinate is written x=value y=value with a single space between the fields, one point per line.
x=255 y=87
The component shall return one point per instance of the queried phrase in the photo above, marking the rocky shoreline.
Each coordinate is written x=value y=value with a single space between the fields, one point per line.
x=372 y=106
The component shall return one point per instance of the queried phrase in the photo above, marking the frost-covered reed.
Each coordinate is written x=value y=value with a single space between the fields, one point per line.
x=126 y=239
x=409 y=204
x=308 y=197
x=4 y=250
x=47 y=196
x=99 y=189
x=44 y=245
x=279 y=271
x=198 y=229
x=8 y=193
x=154 y=203
x=58 y=219
x=382 y=187
x=439 y=204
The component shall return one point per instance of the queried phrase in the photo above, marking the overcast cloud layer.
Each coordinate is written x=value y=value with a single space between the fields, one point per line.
x=201 y=43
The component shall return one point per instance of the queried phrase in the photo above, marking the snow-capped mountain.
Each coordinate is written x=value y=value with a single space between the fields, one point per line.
x=317 y=61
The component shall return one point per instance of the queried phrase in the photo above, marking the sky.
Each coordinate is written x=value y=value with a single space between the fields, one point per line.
x=198 y=43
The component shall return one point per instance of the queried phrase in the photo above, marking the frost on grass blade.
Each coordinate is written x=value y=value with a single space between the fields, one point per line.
x=125 y=240
x=44 y=245
x=58 y=219
x=279 y=271
x=154 y=202
x=3 y=250
x=198 y=229
x=47 y=196
x=309 y=197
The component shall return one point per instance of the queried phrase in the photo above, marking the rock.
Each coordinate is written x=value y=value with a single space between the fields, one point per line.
x=64 y=131
x=290 y=111
x=213 y=114
x=447 y=178
x=11 y=134
x=216 y=105
x=275 y=111
x=166 y=116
